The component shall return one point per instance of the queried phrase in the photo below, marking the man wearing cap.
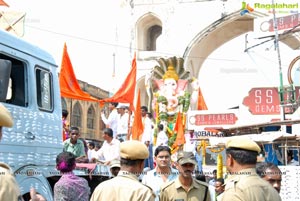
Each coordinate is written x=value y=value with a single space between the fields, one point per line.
x=185 y=187
x=126 y=185
x=123 y=121
x=243 y=182
x=147 y=136
x=9 y=189
x=112 y=120
x=115 y=167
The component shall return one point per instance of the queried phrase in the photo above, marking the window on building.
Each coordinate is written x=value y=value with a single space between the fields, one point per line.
x=149 y=28
x=91 y=118
x=76 y=115
x=152 y=34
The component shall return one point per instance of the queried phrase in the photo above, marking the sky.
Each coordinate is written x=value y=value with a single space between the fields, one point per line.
x=85 y=28
x=88 y=28
x=228 y=81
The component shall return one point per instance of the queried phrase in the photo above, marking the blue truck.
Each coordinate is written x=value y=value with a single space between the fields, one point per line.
x=29 y=88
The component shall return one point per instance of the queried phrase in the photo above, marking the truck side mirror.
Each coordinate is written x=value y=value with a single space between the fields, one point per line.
x=5 y=69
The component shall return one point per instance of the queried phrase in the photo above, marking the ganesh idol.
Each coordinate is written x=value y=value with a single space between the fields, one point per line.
x=171 y=92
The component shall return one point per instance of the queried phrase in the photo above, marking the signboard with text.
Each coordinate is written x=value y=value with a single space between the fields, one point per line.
x=286 y=22
x=206 y=121
x=265 y=101
x=214 y=119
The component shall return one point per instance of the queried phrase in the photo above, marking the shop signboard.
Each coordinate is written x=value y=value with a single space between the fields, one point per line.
x=265 y=101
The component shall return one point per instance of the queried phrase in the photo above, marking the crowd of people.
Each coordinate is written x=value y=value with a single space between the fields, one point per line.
x=165 y=179
x=118 y=129
x=139 y=176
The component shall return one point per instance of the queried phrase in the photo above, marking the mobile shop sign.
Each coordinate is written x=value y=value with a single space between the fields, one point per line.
x=265 y=101
x=206 y=133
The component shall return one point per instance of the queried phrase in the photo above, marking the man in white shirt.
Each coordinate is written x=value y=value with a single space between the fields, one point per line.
x=110 y=149
x=112 y=120
x=147 y=136
x=290 y=159
x=91 y=151
x=162 y=138
x=123 y=121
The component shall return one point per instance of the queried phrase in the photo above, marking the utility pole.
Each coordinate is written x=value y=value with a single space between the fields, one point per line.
x=111 y=93
x=281 y=87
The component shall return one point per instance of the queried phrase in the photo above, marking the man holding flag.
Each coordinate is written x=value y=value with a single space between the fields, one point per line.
x=112 y=120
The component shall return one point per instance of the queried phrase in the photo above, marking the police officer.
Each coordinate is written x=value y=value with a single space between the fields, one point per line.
x=126 y=185
x=9 y=189
x=243 y=182
x=185 y=187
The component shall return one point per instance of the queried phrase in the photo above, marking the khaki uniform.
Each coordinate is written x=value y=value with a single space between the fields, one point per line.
x=219 y=197
x=9 y=189
x=174 y=191
x=247 y=185
x=124 y=187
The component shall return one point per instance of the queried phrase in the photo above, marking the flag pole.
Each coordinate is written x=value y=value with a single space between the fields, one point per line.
x=71 y=111
x=281 y=88
x=113 y=75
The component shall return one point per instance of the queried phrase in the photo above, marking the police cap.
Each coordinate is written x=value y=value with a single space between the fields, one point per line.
x=242 y=142
x=133 y=150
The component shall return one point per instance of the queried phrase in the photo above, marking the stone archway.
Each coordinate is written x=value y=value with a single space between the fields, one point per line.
x=214 y=36
x=222 y=31
x=217 y=34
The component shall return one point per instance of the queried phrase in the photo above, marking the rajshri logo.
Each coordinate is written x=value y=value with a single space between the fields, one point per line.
x=246 y=8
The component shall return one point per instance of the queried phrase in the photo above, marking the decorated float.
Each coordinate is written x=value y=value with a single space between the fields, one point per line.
x=169 y=89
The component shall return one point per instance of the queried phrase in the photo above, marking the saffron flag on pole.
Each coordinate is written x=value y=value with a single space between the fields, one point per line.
x=201 y=105
x=180 y=139
x=125 y=94
x=69 y=87
x=3 y=3
x=137 y=126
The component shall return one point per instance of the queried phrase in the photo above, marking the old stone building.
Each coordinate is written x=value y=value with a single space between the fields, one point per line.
x=86 y=115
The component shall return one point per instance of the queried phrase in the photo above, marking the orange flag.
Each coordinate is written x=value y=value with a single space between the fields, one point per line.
x=125 y=94
x=137 y=126
x=3 y=3
x=201 y=105
x=180 y=139
x=69 y=87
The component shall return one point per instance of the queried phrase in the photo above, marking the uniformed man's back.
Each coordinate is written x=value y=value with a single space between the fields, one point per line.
x=249 y=186
x=243 y=182
x=126 y=185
